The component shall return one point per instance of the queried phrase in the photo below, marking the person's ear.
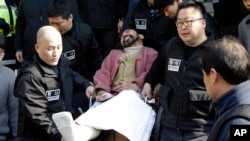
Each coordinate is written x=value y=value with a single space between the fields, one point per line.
x=204 y=23
x=71 y=17
x=36 y=47
x=141 y=36
x=214 y=75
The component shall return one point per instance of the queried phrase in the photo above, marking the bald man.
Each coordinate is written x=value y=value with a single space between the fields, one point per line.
x=45 y=88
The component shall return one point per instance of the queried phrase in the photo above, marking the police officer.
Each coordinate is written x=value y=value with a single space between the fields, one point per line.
x=46 y=87
x=79 y=45
x=147 y=20
x=31 y=16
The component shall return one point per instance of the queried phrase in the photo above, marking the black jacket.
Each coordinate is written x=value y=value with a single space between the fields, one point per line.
x=81 y=48
x=32 y=14
x=43 y=92
x=102 y=13
x=157 y=29
x=183 y=96
x=228 y=12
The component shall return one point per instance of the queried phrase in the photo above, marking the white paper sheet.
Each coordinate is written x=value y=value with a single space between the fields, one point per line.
x=126 y=113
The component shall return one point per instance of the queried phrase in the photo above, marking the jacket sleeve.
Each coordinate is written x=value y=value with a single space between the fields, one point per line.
x=12 y=106
x=102 y=78
x=80 y=81
x=33 y=100
x=129 y=20
x=20 y=27
x=149 y=56
x=95 y=56
x=156 y=72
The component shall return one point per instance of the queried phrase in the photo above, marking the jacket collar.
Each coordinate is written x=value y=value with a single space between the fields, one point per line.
x=237 y=96
x=49 y=71
x=248 y=21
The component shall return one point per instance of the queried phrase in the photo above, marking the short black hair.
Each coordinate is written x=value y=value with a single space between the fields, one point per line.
x=228 y=57
x=161 y=4
x=60 y=8
x=2 y=42
x=192 y=3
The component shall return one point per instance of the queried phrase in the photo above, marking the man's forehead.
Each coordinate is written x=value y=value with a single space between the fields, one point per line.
x=128 y=30
x=188 y=13
x=185 y=18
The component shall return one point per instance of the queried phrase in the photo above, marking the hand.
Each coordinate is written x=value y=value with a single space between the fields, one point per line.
x=103 y=97
x=156 y=90
x=19 y=56
x=122 y=85
x=146 y=91
x=89 y=91
x=119 y=26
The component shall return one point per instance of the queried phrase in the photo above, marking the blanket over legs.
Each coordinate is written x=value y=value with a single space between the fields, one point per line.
x=125 y=113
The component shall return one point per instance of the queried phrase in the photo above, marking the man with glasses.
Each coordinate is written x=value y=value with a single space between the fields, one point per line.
x=170 y=8
x=186 y=23
x=187 y=112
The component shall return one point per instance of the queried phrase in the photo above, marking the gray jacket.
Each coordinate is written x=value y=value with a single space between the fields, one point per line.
x=227 y=103
x=244 y=32
x=8 y=103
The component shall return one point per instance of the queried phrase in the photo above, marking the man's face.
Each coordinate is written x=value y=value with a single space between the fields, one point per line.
x=171 y=10
x=129 y=37
x=62 y=25
x=49 y=49
x=191 y=25
x=247 y=4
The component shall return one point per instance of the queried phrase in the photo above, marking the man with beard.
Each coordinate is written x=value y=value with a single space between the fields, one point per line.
x=124 y=69
x=147 y=20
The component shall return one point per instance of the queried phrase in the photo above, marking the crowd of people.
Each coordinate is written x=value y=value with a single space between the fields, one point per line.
x=61 y=55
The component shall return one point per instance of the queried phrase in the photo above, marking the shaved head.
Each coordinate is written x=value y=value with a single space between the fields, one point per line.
x=46 y=32
x=49 y=45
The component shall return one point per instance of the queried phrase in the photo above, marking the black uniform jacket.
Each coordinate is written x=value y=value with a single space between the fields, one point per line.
x=42 y=91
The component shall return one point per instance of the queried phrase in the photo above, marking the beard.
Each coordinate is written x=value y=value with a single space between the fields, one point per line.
x=130 y=41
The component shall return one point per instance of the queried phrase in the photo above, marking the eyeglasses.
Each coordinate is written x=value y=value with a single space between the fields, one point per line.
x=186 y=23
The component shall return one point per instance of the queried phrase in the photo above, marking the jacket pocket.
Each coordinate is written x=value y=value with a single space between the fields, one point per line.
x=163 y=96
x=199 y=103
